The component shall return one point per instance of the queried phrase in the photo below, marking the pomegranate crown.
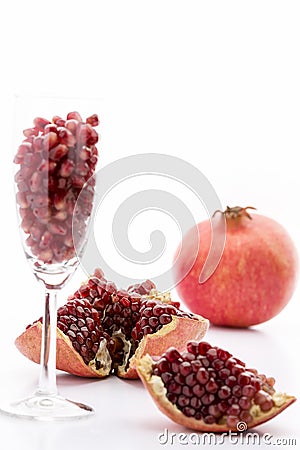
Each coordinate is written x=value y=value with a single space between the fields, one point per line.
x=235 y=212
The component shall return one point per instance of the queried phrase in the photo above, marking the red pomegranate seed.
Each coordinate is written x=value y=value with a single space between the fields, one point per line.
x=66 y=168
x=51 y=127
x=202 y=375
x=65 y=137
x=59 y=121
x=74 y=115
x=45 y=240
x=87 y=135
x=31 y=132
x=56 y=228
x=203 y=348
x=232 y=421
x=72 y=126
x=58 y=152
x=245 y=402
x=41 y=200
x=38 y=143
x=22 y=200
x=93 y=120
x=40 y=123
x=50 y=140
x=35 y=182
x=42 y=213
x=85 y=153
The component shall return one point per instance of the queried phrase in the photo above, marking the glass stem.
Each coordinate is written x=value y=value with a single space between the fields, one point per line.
x=47 y=380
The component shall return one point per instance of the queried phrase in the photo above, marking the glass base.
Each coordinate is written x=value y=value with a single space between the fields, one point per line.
x=47 y=408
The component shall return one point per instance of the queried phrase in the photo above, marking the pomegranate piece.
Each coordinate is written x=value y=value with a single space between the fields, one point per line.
x=81 y=341
x=206 y=389
x=118 y=313
x=54 y=166
x=122 y=312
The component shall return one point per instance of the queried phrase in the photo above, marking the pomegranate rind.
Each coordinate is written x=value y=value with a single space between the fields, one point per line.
x=67 y=359
x=178 y=332
x=157 y=390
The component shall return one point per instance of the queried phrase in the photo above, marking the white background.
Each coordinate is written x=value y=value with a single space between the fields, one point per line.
x=215 y=83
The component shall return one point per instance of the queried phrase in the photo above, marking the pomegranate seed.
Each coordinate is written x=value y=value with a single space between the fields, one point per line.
x=40 y=200
x=45 y=240
x=82 y=169
x=22 y=200
x=66 y=168
x=267 y=405
x=224 y=392
x=211 y=386
x=35 y=182
x=58 y=152
x=72 y=126
x=50 y=140
x=31 y=132
x=46 y=255
x=202 y=375
x=203 y=348
x=78 y=181
x=185 y=368
x=87 y=135
x=234 y=410
x=27 y=223
x=61 y=216
x=93 y=120
x=74 y=115
x=65 y=137
x=173 y=355
x=261 y=397
x=36 y=232
x=237 y=370
x=38 y=143
x=232 y=421
x=245 y=402
x=249 y=391
x=211 y=354
x=245 y=416
x=85 y=153
x=224 y=373
x=51 y=127
x=207 y=399
x=231 y=381
x=41 y=213
x=58 y=120
x=40 y=123
x=56 y=228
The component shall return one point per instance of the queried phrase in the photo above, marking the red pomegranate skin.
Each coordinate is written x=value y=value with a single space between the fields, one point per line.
x=254 y=280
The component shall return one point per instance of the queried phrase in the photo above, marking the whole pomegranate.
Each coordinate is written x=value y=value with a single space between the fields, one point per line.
x=255 y=277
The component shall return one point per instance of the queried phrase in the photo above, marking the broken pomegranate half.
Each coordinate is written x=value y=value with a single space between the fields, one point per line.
x=102 y=329
x=205 y=388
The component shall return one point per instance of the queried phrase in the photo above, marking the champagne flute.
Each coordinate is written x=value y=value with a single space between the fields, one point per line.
x=55 y=161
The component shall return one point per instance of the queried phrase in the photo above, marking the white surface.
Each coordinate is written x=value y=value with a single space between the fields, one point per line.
x=216 y=83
